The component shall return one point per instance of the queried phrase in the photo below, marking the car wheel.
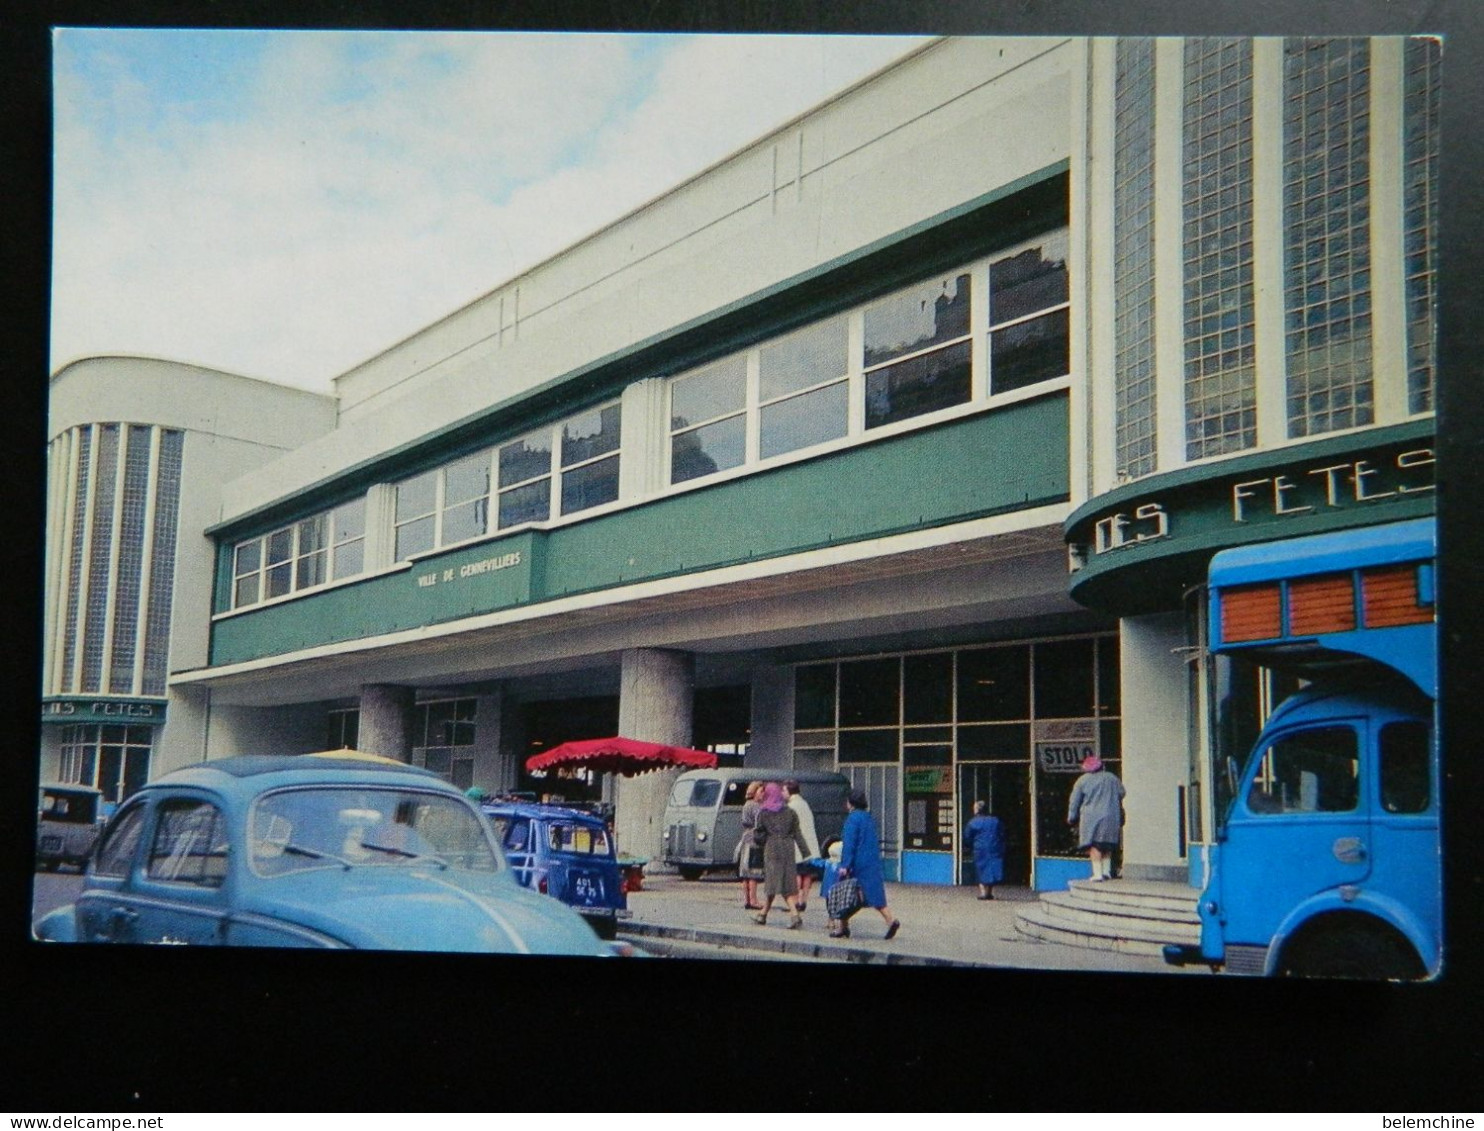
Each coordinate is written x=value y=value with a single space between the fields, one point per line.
x=1370 y=952
x=607 y=929
x=688 y=873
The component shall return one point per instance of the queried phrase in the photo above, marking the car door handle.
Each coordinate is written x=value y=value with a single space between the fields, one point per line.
x=1349 y=850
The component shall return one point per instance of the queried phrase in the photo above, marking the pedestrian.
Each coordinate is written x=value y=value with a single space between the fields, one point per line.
x=984 y=837
x=807 y=872
x=749 y=858
x=860 y=856
x=778 y=829
x=1096 y=811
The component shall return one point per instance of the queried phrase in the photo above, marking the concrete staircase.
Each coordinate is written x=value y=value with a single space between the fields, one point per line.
x=1129 y=916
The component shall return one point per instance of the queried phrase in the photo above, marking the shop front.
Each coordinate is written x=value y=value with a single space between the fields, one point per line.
x=926 y=734
x=104 y=742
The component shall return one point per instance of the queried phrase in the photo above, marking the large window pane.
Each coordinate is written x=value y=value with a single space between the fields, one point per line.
x=1064 y=679
x=994 y=683
x=467 y=520
x=467 y=479
x=310 y=570
x=809 y=357
x=916 y=317
x=350 y=520
x=1028 y=352
x=1029 y=280
x=803 y=421
x=869 y=693
x=414 y=537
x=350 y=558
x=1314 y=771
x=526 y=458
x=590 y=435
x=814 y=696
x=710 y=392
x=279 y=579
x=928 y=684
x=591 y=485
x=531 y=503
x=415 y=496
x=870 y=746
x=923 y=384
x=703 y=451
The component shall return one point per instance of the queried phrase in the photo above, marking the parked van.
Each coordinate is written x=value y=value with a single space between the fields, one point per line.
x=703 y=818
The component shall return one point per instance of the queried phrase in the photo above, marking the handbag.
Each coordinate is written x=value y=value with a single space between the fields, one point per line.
x=845 y=898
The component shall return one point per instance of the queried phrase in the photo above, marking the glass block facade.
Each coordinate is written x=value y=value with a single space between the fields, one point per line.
x=119 y=486
x=1327 y=235
x=1421 y=136
x=1220 y=318
x=1133 y=262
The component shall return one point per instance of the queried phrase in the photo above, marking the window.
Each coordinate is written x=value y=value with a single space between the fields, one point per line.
x=917 y=350
x=581 y=840
x=443 y=735
x=1312 y=771
x=1422 y=135
x=708 y=423
x=1406 y=757
x=1029 y=327
x=344 y=729
x=190 y=845
x=525 y=479
x=303 y=555
x=803 y=390
x=445 y=506
x=113 y=758
x=590 y=446
x=115 y=855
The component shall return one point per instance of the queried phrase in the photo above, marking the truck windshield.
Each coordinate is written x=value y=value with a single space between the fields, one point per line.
x=1309 y=771
x=696 y=793
x=299 y=829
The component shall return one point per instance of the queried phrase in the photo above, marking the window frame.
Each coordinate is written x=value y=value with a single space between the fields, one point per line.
x=297 y=555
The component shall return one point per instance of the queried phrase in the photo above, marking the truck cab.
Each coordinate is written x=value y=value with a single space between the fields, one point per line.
x=1327 y=861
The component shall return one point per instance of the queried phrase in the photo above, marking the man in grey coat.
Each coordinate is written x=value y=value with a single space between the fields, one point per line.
x=1096 y=810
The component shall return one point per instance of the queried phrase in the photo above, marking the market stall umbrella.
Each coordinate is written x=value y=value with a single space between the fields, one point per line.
x=626 y=756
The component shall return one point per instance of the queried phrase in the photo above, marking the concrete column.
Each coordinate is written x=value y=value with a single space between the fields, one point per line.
x=492 y=772
x=655 y=701
x=386 y=720
x=1155 y=755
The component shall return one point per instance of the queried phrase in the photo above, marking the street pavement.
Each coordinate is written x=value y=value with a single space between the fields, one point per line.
x=941 y=926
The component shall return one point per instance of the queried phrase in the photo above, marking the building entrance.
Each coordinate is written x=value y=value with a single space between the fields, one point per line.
x=1005 y=788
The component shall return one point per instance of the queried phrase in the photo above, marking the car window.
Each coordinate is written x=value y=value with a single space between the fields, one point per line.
x=116 y=853
x=1405 y=759
x=190 y=844
x=584 y=840
x=516 y=836
x=1310 y=771
x=325 y=827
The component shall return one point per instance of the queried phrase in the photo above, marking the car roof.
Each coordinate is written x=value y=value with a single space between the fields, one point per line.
x=259 y=771
x=536 y=809
x=803 y=777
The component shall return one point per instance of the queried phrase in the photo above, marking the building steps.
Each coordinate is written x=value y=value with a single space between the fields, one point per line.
x=1129 y=916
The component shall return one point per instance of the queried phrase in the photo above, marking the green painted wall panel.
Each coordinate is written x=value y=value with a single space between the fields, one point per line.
x=990 y=463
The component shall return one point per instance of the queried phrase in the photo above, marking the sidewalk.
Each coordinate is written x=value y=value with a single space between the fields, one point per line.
x=941 y=926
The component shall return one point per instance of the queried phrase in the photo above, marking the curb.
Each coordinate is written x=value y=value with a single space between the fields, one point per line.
x=792 y=947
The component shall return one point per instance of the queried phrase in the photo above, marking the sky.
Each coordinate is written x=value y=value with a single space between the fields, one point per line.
x=287 y=204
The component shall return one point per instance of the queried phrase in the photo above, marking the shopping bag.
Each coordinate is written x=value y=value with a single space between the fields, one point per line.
x=845 y=898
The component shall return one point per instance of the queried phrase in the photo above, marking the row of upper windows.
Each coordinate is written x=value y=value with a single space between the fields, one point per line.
x=904 y=356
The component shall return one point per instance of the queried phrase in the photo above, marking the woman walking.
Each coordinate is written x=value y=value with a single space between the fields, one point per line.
x=778 y=829
x=749 y=864
x=1095 y=810
x=985 y=840
x=860 y=856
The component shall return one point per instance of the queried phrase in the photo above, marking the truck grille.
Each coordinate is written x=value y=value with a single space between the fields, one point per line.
x=1244 y=959
x=682 y=839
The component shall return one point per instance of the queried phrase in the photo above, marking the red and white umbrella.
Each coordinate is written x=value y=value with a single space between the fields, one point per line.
x=618 y=755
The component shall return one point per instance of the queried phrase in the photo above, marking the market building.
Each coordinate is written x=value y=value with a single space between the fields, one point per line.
x=894 y=444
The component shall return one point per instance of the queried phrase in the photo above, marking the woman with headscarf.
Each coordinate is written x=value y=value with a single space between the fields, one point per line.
x=1096 y=811
x=860 y=856
x=985 y=840
x=748 y=867
x=778 y=829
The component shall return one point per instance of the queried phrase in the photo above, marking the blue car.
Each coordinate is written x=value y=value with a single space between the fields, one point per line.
x=566 y=854
x=316 y=850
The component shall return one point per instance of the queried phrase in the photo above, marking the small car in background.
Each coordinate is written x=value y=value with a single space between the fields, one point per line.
x=566 y=854
x=67 y=823
x=317 y=850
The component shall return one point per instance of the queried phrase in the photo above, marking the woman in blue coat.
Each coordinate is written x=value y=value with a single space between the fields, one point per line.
x=860 y=856
x=985 y=840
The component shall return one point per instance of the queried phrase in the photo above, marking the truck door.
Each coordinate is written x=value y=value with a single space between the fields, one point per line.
x=1298 y=827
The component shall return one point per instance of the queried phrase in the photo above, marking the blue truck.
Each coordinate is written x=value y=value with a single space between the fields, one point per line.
x=1327 y=858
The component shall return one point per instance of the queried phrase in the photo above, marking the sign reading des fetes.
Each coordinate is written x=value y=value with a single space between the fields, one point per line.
x=80 y=709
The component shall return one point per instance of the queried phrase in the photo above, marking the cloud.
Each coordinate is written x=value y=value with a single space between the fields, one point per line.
x=287 y=204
